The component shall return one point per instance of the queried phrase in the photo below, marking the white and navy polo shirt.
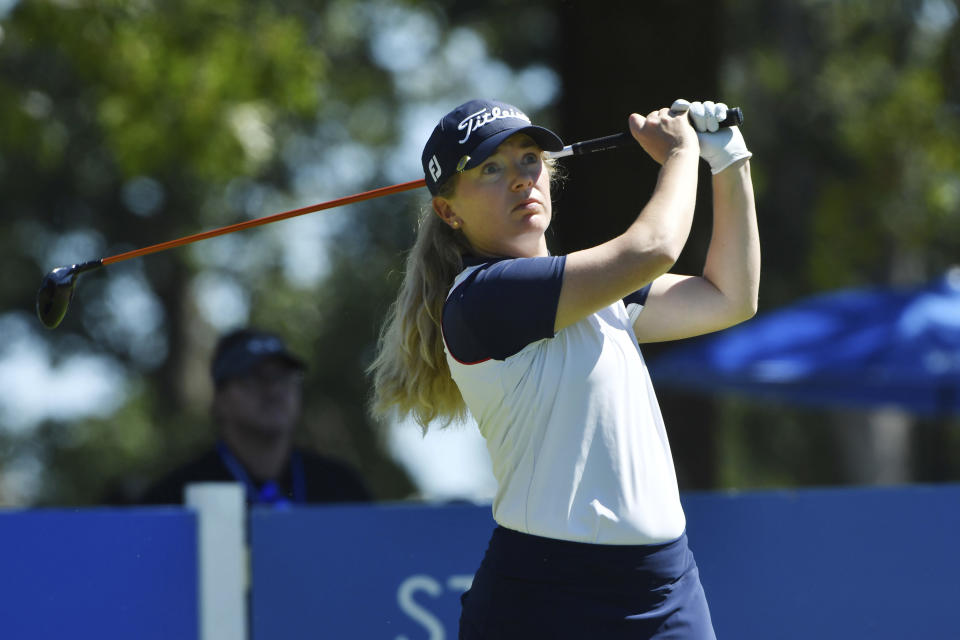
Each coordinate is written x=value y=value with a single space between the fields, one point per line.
x=571 y=422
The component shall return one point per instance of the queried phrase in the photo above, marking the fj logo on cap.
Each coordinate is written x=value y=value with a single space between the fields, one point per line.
x=434 y=167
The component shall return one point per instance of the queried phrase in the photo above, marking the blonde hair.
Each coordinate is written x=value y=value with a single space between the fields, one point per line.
x=410 y=372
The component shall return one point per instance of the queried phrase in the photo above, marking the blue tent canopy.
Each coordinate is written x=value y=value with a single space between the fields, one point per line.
x=856 y=347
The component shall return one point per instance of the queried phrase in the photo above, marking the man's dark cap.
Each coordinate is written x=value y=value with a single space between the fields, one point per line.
x=467 y=136
x=238 y=352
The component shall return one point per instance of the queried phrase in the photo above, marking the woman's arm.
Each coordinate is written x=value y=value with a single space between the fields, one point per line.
x=597 y=277
x=726 y=294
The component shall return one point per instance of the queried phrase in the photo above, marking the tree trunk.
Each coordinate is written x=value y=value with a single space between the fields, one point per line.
x=613 y=63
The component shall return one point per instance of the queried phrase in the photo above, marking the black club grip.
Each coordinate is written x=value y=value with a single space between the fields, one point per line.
x=625 y=139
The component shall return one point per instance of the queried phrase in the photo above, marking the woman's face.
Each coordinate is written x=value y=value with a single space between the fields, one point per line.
x=503 y=205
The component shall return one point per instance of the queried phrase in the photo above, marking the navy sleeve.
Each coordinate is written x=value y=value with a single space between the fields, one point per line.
x=502 y=307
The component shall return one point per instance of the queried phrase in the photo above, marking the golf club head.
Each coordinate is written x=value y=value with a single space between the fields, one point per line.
x=56 y=290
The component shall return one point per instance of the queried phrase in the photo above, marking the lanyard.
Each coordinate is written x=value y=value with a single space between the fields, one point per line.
x=269 y=492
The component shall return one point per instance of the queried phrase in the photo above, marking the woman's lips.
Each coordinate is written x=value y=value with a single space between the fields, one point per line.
x=528 y=204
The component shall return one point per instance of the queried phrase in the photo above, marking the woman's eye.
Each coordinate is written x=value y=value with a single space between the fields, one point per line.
x=490 y=169
x=531 y=158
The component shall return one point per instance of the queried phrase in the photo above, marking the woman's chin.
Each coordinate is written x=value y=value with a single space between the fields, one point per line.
x=536 y=221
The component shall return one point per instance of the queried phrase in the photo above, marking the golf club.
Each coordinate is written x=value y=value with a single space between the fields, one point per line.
x=56 y=288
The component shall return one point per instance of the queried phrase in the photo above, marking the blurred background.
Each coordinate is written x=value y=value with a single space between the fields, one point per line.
x=127 y=123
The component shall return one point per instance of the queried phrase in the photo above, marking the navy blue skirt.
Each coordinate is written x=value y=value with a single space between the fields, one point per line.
x=532 y=587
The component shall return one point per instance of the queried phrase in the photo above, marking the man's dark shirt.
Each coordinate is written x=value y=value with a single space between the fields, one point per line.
x=324 y=480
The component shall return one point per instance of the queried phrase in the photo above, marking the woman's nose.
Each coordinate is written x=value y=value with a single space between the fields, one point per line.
x=523 y=178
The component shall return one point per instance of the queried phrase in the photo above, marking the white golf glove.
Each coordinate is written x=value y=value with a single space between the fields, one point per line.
x=719 y=147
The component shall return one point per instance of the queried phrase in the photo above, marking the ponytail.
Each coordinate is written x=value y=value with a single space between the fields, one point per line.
x=410 y=372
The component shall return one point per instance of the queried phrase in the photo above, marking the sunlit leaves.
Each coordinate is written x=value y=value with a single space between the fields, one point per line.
x=166 y=83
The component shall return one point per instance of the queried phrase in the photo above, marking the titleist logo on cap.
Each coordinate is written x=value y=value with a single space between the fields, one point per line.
x=485 y=116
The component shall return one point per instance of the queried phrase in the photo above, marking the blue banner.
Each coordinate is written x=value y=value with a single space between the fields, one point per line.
x=390 y=571
x=839 y=563
x=98 y=573
x=879 y=563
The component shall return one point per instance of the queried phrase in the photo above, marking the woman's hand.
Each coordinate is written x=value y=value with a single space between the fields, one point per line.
x=721 y=148
x=665 y=131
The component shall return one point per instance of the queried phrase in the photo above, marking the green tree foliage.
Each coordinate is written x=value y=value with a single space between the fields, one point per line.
x=129 y=123
x=123 y=124
x=138 y=122
x=852 y=112
x=853 y=106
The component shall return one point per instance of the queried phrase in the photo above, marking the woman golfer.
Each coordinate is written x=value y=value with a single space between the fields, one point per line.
x=544 y=352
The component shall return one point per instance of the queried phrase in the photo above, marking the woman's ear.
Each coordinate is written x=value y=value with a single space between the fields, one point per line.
x=441 y=206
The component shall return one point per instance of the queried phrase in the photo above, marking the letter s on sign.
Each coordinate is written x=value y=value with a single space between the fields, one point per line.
x=410 y=607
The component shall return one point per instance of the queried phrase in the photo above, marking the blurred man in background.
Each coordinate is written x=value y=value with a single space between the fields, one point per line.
x=257 y=403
